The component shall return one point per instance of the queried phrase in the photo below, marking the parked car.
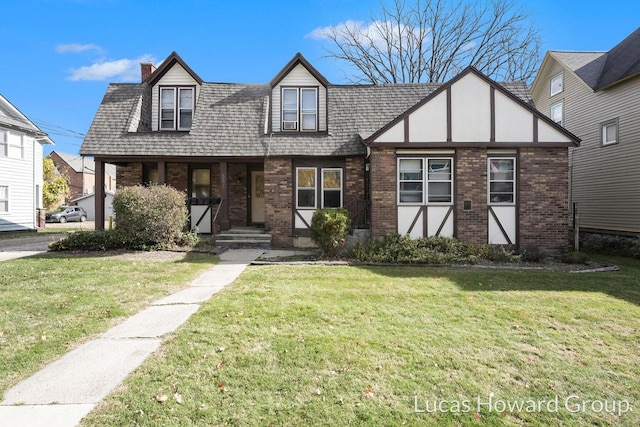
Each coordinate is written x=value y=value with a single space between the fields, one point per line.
x=67 y=213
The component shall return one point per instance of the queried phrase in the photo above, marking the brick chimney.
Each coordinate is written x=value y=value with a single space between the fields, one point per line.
x=146 y=69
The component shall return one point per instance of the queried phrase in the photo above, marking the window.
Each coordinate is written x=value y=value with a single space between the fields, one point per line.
x=556 y=113
x=609 y=132
x=556 y=84
x=176 y=108
x=4 y=144
x=326 y=181
x=299 y=109
x=200 y=182
x=16 y=147
x=412 y=180
x=331 y=188
x=502 y=180
x=306 y=183
x=4 y=198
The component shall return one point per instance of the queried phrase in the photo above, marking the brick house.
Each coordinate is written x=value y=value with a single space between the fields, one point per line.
x=470 y=158
x=80 y=174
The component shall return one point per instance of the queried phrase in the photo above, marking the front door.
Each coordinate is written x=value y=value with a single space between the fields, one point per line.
x=257 y=197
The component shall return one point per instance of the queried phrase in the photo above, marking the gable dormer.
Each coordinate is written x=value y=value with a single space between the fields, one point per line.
x=175 y=87
x=299 y=98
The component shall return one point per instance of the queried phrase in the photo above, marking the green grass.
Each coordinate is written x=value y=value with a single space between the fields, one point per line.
x=52 y=302
x=328 y=345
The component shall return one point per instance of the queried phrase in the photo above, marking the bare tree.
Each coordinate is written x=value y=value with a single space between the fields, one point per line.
x=432 y=40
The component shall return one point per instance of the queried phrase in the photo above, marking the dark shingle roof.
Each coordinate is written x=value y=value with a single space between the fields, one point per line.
x=602 y=69
x=230 y=121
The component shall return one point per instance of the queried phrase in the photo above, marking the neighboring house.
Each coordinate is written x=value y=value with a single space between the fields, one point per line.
x=596 y=95
x=88 y=203
x=80 y=173
x=20 y=170
x=470 y=158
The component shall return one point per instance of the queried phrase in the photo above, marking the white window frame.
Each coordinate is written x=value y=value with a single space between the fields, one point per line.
x=322 y=189
x=425 y=180
x=558 y=78
x=512 y=181
x=4 y=143
x=16 y=147
x=314 y=188
x=300 y=110
x=177 y=107
x=4 y=200
x=603 y=132
x=560 y=105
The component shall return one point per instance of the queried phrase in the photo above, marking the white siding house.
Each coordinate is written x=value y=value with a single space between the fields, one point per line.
x=20 y=169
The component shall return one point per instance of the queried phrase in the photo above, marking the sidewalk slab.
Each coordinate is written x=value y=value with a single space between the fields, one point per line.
x=43 y=415
x=192 y=295
x=85 y=375
x=153 y=322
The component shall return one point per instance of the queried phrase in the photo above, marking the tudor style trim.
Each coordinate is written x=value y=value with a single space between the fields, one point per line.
x=370 y=141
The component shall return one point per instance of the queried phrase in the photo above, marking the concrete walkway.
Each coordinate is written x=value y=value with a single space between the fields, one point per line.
x=65 y=391
x=26 y=246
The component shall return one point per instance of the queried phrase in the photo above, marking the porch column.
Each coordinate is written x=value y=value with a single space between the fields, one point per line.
x=162 y=172
x=223 y=217
x=99 y=194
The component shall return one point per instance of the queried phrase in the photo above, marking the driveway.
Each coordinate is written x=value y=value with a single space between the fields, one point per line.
x=19 y=247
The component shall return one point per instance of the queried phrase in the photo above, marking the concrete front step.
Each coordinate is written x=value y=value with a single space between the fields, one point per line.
x=245 y=230
x=243 y=243
x=237 y=236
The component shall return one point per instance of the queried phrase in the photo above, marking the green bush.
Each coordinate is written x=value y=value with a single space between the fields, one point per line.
x=532 y=254
x=329 y=227
x=90 y=241
x=151 y=216
x=395 y=248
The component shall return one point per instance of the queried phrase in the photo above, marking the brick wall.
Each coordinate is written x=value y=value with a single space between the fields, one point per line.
x=544 y=206
x=74 y=179
x=470 y=184
x=237 y=184
x=384 y=215
x=542 y=198
x=278 y=210
x=129 y=175
x=178 y=176
x=354 y=178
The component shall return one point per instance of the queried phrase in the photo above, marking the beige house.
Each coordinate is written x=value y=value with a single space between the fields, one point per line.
x=596 y=96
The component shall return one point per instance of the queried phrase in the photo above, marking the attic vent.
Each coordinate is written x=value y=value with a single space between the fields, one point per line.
x=289 y=125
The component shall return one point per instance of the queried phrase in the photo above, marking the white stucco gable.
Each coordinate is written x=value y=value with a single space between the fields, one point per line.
x=471 y=110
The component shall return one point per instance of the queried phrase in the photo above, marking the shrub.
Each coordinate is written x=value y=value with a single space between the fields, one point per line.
x=532 y=254
x=499 y=254
x=395 y=248
x=91 y=241
x=150 y=216
x=329 y=227
x=574 y=258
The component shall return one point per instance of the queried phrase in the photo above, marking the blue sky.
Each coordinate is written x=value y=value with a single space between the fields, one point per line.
x=59 y=55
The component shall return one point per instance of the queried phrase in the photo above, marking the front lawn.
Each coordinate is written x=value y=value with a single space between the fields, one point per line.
x=329 y=345
x=52 y=302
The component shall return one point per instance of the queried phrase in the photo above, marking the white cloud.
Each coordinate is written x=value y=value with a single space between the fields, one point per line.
x=121 y=70
x=321 y=33
x=77 y=48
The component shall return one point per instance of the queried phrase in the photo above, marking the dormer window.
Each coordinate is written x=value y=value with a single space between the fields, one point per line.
x=176 y=108
x=299 y=109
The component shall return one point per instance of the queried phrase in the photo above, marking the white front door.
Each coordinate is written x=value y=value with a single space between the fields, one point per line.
x=257 y=197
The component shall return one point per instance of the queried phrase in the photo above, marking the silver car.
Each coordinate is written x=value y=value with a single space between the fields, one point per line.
x=67 y=213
